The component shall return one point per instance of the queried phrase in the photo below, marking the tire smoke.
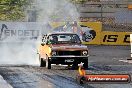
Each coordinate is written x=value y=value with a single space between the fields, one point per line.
x=20 y=50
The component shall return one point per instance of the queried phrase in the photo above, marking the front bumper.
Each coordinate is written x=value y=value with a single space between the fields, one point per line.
x=67 y=59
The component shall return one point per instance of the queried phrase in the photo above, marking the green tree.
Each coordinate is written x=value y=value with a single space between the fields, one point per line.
x=12 y=10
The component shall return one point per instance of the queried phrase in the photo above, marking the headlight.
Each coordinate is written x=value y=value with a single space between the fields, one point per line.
x=54 y=53
x=85 y=53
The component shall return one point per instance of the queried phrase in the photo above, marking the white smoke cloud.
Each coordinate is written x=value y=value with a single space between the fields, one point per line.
x=14 y=51
x=49 y=10
x=16 y=48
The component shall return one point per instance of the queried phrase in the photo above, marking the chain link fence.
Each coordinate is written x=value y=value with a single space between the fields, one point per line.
x=114 y=14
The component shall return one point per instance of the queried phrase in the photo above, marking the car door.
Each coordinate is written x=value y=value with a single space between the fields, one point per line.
x=45 y=49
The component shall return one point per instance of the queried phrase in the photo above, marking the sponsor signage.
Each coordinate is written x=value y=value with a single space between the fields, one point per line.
x=93 y=34
x=106 y=37
x=89 y=32
x=115 y=38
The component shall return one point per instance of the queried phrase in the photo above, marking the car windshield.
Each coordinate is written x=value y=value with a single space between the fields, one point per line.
x=63 y=39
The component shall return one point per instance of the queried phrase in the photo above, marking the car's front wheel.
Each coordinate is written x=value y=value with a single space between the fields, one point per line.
x=48 y=63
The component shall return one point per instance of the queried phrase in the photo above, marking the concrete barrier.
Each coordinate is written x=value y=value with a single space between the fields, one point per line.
x=4 y=84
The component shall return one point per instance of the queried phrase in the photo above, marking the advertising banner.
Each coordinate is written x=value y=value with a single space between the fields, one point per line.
x=89 y=32
x=115 y=38
x=96 y=28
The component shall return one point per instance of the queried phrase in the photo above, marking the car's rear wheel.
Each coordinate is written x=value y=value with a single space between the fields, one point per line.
x=48 y=63
x=85 y=65
x=42 y=63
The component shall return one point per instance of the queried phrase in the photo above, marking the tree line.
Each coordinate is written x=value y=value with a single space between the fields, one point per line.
x=14 y=10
